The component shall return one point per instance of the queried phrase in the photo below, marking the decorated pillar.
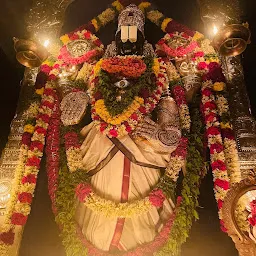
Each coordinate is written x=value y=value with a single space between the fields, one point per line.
x=230 y=38
x=222 y=20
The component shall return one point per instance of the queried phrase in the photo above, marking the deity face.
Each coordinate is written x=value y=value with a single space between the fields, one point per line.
x=129 y=48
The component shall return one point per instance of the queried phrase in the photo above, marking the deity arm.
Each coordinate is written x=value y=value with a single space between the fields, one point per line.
x=75 y=96
x=164 y=135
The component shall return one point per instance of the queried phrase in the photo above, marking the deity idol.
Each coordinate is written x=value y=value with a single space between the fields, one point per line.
x=125 y=150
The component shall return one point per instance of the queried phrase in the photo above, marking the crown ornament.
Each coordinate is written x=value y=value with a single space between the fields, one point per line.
x=131 y=16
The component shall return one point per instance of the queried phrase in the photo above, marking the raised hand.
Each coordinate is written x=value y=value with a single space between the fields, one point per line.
x=163 y=138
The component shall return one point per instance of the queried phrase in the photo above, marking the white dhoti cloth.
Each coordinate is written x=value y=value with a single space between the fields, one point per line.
x=108 y=183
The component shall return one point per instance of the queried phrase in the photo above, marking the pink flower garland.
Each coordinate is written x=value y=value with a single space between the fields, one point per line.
x=252 y=216
x=162 y=46
x=96 y=50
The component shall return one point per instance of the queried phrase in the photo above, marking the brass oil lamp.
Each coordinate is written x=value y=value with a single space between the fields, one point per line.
x=29 y=53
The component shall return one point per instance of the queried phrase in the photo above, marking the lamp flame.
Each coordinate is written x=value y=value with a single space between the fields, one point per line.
x=215 y=30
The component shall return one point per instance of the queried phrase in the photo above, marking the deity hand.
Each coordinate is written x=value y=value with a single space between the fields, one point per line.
x=163 y=138
x=73 y=107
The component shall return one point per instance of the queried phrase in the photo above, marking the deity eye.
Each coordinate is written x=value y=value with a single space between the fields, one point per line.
x=122 y=83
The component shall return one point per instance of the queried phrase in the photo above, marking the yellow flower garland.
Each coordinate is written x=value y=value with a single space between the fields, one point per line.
x=156 y=66
x=95 y=24
x=144 y=5
x=107 y=16
x=118 y=6
x=102 y=111
x=198 y=36
x=219 y=86
x=65 y=39
x=165 y=23
x=40 y=91
x=154 y=16
x=29 y=128
x=111 y=209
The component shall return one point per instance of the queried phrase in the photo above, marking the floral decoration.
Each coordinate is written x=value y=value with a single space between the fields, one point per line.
x=164 y=45
x=52 y=151
x=109 y=208
x=96 y=47
x=73 y=152
x=215 y=144
x=125 y=67
x=230 y=148
x=126 y=121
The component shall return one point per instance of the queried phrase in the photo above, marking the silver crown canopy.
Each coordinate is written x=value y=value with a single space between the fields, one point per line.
x=131 y=16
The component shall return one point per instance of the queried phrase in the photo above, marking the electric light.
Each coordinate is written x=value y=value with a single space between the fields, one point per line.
x=46 y=43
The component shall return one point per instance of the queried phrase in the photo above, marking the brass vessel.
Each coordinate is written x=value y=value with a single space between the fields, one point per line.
x=232 y=40
x=29 y=53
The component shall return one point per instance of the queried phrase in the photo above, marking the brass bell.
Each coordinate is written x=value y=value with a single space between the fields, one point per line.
x=232 y=40
x=29 y=53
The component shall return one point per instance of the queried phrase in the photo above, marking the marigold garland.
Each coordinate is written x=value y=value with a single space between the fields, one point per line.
x=101 y=110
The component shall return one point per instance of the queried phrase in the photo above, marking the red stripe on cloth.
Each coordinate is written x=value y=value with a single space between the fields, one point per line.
x=124 y=198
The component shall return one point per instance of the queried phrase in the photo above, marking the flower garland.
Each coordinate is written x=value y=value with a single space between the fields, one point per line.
x=73 y=152
x=230 y=148
x=175 y=230
x=148 y=248
x=129 y=67
x=95 y=47
x=164 y=45
x=102 y=112
x=7 y=230
x=180 y=98
x=186 y=213
x=167 y=25
x=52 y=152
x=104 y=18
x=215 y=144
x=122 y=127
x=32 y=165
x=109 y=208
x=252 y=216
x=25 y=174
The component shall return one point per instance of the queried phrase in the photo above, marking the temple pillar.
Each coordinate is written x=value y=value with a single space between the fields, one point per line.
x=222 y=18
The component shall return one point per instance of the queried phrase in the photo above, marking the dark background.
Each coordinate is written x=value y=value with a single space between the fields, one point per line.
x=41 y=233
